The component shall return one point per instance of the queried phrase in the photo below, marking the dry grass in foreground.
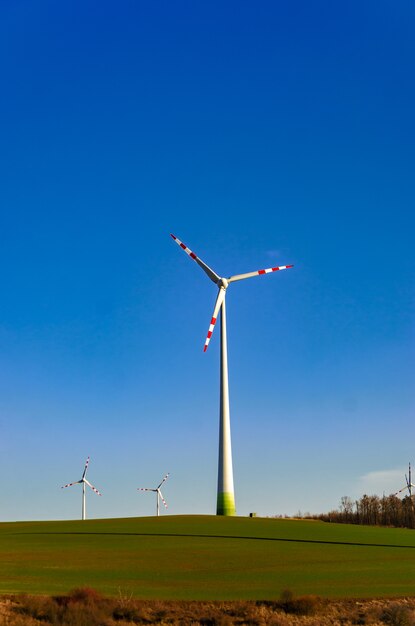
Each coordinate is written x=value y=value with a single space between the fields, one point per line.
x=86 y=607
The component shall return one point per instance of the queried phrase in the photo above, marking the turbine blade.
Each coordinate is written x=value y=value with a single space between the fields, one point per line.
x=71 y=484
x=85 y=468
x=92 y=487
x=212 y=275
x=232 y=279
x=218 y=304
x=145 y=489
x=162 y=499
x=164 y=479
x=400 y=490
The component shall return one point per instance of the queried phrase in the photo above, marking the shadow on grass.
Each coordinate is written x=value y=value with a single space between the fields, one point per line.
x=234 y=537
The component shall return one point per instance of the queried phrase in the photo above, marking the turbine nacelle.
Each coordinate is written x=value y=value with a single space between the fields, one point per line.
x=223 y=283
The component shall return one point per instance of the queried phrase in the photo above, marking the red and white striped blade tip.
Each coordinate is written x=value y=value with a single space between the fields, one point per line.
x=269 y=270
x=71 y=484
x=219 y=302
x=165 y=478
x=210 y=332
x=93 y=488
x=184 y=247
x=282 y=267
x=208 y=270
x=85 y=468
x=163 y=500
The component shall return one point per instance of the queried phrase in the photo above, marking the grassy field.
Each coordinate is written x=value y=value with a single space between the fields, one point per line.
x=207 y=557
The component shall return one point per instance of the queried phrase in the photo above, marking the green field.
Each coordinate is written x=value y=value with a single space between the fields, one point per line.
x=207 y=557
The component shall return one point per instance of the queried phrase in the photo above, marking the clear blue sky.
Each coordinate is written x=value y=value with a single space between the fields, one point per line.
x=260 y=134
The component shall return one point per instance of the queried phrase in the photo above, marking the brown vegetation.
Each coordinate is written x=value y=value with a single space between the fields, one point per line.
x=85 y=607
x=374 y=511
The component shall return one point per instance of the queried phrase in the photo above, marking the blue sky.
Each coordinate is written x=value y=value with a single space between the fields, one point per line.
x=260 y=135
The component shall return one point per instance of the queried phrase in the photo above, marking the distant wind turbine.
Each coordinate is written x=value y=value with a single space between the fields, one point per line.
x=225 y=498
x=408 y=485
x=84 y=482
x=158 y=492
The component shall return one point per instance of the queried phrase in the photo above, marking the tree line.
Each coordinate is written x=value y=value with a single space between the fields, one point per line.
x=373 y=510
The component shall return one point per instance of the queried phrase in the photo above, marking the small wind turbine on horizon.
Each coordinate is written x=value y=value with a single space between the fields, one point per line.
x=84 y=482
x=158 y=492
x=225 y=497
x=408 y=485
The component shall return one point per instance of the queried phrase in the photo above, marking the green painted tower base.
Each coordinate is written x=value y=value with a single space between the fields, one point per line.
x=225 y=504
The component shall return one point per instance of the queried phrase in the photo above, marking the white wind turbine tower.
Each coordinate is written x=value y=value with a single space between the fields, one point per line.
x=408 y=485
x=84 y=482
x=225 y=498
x=158 y=492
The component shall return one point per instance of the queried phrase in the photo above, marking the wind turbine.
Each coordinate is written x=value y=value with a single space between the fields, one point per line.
x=226 y=497
x=408 y=485
x=84 y=482
x=158 y=492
